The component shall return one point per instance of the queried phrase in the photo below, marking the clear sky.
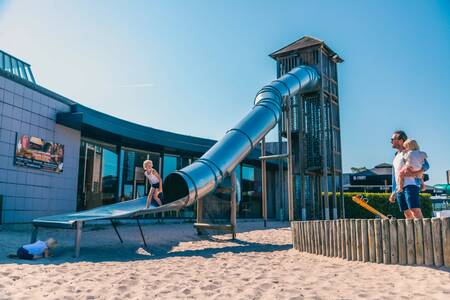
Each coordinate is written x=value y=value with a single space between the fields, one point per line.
x=193 y=67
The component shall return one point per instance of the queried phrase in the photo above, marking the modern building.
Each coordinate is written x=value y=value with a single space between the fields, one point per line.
x=375 y=180
x=58 y=156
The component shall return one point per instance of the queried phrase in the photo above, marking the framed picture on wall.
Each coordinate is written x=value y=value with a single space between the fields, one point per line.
x=34 y=152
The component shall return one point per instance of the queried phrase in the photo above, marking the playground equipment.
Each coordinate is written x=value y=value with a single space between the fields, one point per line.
x=186 y=186
x=358 y=199
x=311 y=125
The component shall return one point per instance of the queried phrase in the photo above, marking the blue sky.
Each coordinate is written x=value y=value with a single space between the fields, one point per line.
x=193 y=67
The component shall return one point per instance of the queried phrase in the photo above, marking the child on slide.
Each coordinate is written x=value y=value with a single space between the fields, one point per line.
x=414 y=160
x=155 y=183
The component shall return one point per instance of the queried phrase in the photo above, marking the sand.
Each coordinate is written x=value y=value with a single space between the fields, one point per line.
x=178 y=264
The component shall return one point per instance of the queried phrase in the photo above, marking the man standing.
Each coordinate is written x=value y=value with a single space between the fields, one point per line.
x=408 y=199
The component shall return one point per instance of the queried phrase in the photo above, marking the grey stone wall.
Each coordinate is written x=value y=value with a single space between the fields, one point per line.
x=30 y=193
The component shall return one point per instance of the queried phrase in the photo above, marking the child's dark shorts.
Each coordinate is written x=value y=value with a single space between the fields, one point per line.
x=24 y=254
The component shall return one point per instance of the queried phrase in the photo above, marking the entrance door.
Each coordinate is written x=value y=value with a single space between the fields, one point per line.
x=97 y=175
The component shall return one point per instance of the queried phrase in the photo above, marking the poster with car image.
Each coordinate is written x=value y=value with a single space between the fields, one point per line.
x=34 y=152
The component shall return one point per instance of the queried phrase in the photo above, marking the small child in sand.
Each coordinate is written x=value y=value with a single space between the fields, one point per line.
x=36 y=250
x=155 y=182
x=414 y=159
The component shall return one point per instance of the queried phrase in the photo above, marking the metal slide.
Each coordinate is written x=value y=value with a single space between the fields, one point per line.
x=183 y=187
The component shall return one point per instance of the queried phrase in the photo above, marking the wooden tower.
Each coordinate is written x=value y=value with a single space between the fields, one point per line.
x=315 y=132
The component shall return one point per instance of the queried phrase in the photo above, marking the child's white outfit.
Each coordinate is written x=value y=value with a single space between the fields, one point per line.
x=415 y=159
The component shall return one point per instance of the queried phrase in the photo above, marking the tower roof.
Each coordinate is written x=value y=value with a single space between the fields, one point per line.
x=303 y=43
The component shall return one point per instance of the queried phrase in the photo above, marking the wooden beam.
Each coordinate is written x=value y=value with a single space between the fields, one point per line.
x=437 y=242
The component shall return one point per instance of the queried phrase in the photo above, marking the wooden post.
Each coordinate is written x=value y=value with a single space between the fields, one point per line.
x=343 y=244
x=332 y=238
x=323 y=238
x=365 y=240
x=359 y=254
x=299 y=233
x=312 y=237
x=326 y=237
x=446 y=240
x=427 y=242
x=348 y=239
x=410 y=248
x=319 y=238
x=418 y=236
x=372 y=247
x=378 y=241
x=437 y=242
x=354 y=245
x=393 y=241
x=306 y=235
x=386 y=241
x=338 y=238
x=294 y=235
x=402 y=250
x=335 y=238
x=299 y=236
x=328 y=229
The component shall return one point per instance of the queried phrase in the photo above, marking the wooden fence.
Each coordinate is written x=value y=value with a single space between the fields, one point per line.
x=405 y=242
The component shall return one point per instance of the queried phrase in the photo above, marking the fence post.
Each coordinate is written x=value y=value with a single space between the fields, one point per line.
x=378 y=241
x=446 y=240
x=365 y=240
x=332 y=238
x=304 y=238
x=318 y=242
x=343 y=245
x=437 y=242
x=418 y=236
x=323 y=238
x=348 y=239
x=401 y=233
x=372 y=247
x=427 y=242
x=294 y=235
x=411 y=250
x=394 y=245
x=359 y=254
x=354 y=245
x=327 y=238
x=385 y=231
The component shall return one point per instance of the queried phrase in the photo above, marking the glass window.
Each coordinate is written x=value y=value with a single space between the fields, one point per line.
x=250 y=204
x=22 y=72
x=2 y=65
x=14 y=66
x=29 y=74
x=170 y=164
x=97 y=176
x=8 y=63
x=133 y=183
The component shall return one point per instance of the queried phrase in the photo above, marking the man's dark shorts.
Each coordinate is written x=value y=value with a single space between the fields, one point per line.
x=409 y=198
x=24 y=254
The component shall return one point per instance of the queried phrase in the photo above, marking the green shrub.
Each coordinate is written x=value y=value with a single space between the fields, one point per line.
x=380 y=201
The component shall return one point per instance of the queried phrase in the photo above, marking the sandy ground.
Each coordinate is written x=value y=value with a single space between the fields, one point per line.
x=178 y=264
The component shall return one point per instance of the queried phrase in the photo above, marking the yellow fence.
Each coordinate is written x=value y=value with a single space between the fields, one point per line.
x=405 y=242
